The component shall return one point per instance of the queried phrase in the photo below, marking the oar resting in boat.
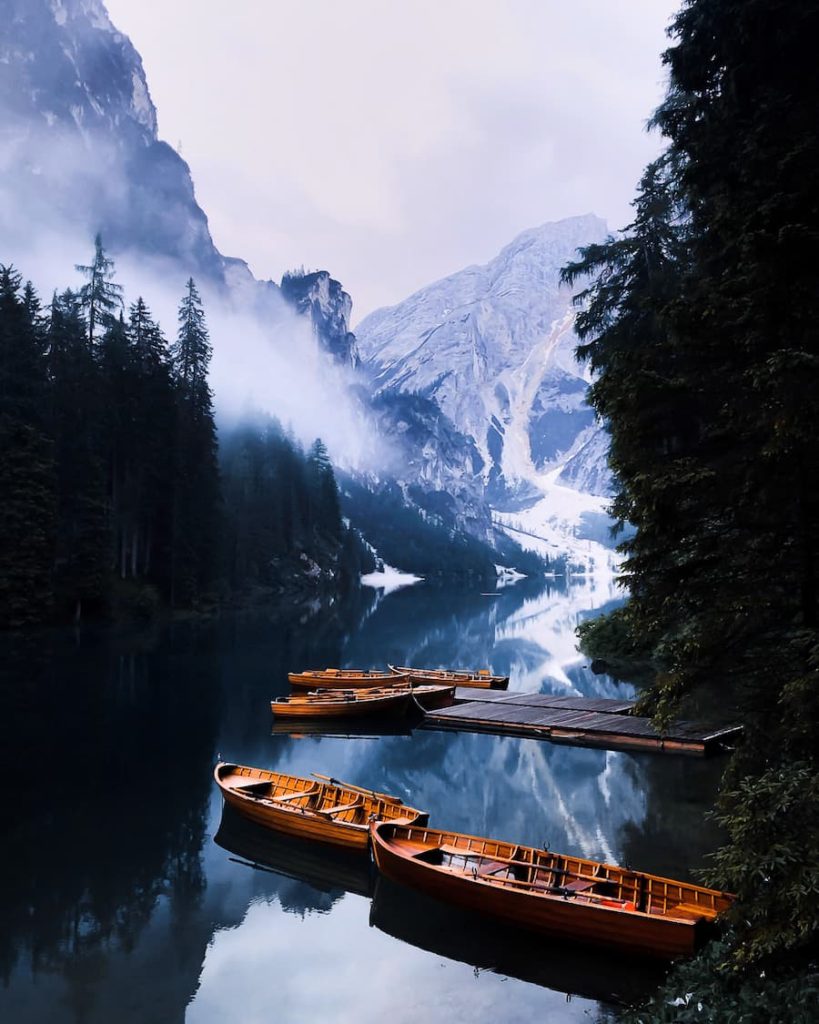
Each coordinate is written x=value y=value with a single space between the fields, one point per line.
x=587 y=901
x=324 y=810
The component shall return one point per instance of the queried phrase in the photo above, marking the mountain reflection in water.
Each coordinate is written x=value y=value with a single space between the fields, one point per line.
x=116 y=903
x=307 y=877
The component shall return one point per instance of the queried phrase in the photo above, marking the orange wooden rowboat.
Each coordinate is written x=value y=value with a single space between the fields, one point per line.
x=431 y=696
x=344 y=703
x=344 y=679
x=321 y=808
x=477 y=680
x=583 y=900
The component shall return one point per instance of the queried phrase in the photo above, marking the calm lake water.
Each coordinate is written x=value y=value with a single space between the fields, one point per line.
x=126 y=897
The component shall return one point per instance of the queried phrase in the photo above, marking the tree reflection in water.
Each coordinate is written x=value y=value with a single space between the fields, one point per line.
x=112 y=896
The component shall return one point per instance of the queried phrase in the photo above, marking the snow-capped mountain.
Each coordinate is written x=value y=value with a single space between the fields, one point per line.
x=494 y=346
x=471 y=382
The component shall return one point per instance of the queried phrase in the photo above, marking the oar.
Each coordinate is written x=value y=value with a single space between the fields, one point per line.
x=358 y=789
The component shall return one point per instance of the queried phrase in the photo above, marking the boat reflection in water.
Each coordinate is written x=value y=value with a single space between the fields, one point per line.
x=328 y=870
x=418 y=920
x=359 y=728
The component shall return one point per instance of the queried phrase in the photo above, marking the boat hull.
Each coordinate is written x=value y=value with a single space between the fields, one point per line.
x=433 y=696
x=474 y=680
x=345 y=680
x=299 y=807
x=357 y=707
x=588 y=923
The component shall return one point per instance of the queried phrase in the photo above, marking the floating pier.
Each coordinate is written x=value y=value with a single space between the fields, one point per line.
x=580 y=721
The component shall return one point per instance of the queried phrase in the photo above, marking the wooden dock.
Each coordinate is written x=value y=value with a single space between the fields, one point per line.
x=580 y=721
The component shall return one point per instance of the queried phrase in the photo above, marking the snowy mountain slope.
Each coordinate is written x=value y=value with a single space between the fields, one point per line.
x=493 y=345
x=484 y=355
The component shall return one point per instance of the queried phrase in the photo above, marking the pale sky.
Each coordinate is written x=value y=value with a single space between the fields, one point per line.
x=393 y=142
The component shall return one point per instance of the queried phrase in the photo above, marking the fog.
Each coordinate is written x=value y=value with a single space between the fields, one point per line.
x=55 y=191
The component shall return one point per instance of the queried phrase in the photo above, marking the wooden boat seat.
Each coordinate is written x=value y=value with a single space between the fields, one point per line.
x=342 y=808
x=579 y=885
x=250 y=788
x=295 y=796
x=492 y=867
x=457 y=851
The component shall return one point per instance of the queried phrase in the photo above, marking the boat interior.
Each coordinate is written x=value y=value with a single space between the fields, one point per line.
x=552 y=874
x=331 y=801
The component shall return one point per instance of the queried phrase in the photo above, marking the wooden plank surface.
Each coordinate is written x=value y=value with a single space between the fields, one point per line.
x=610 y=705
x=577 y=719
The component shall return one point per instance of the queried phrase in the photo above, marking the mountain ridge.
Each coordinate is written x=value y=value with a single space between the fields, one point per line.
x=493 y=344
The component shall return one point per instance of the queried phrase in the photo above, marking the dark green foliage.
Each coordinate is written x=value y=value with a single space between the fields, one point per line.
x=83 y=551
x=27 y=480
x=108 y=468
x=284 y=529
x=702 y=991
x=703 y=326
x=196 y=498
x=100 y=296
x=139 y=414
x=325 y=506
x=416 y=542
x=616 y=645
x=772 y=860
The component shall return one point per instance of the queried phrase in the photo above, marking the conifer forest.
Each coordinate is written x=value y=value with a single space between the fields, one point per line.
x=564 y=464
x=113 y=495
x=699 y=323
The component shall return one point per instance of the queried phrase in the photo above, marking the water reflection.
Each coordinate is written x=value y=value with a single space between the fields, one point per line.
x=117 y=905
x=309 y=878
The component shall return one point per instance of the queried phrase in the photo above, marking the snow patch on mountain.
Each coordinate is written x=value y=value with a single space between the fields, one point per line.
x=494 y=346
x=562 y=522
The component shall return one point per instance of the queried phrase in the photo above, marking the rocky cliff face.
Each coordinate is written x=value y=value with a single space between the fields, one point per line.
x=322 y=299
x=79 y=139
x=472 y=380
x=494 y=347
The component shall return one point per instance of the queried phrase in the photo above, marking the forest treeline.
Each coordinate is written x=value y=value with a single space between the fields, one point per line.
x=700 y=324
x=113 y=486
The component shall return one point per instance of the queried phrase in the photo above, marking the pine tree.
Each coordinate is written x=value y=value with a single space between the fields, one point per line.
x=720 y=472
x=192 y=352
x=100 y=296
x=323 y=492
x=197 y=498
x=140 y=417
x=27 y=475
x=83 y=555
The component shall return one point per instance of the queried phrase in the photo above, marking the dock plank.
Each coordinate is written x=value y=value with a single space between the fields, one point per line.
x=610 y=705
x=581 y=721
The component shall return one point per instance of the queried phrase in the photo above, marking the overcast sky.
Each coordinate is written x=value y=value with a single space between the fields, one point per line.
x=393 y=142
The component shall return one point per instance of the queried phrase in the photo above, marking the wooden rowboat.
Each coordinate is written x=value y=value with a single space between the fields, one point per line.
x=344 y=703
x=431 y=696
x=477 y=680
x=323 y=867
x=321 y=808
x=344 y=679
x=583 y=900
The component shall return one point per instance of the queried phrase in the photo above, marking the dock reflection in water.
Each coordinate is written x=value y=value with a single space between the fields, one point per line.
x=117 y=905
x=416 y=919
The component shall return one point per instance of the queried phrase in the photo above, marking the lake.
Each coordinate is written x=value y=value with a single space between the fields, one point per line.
x=126 y=897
